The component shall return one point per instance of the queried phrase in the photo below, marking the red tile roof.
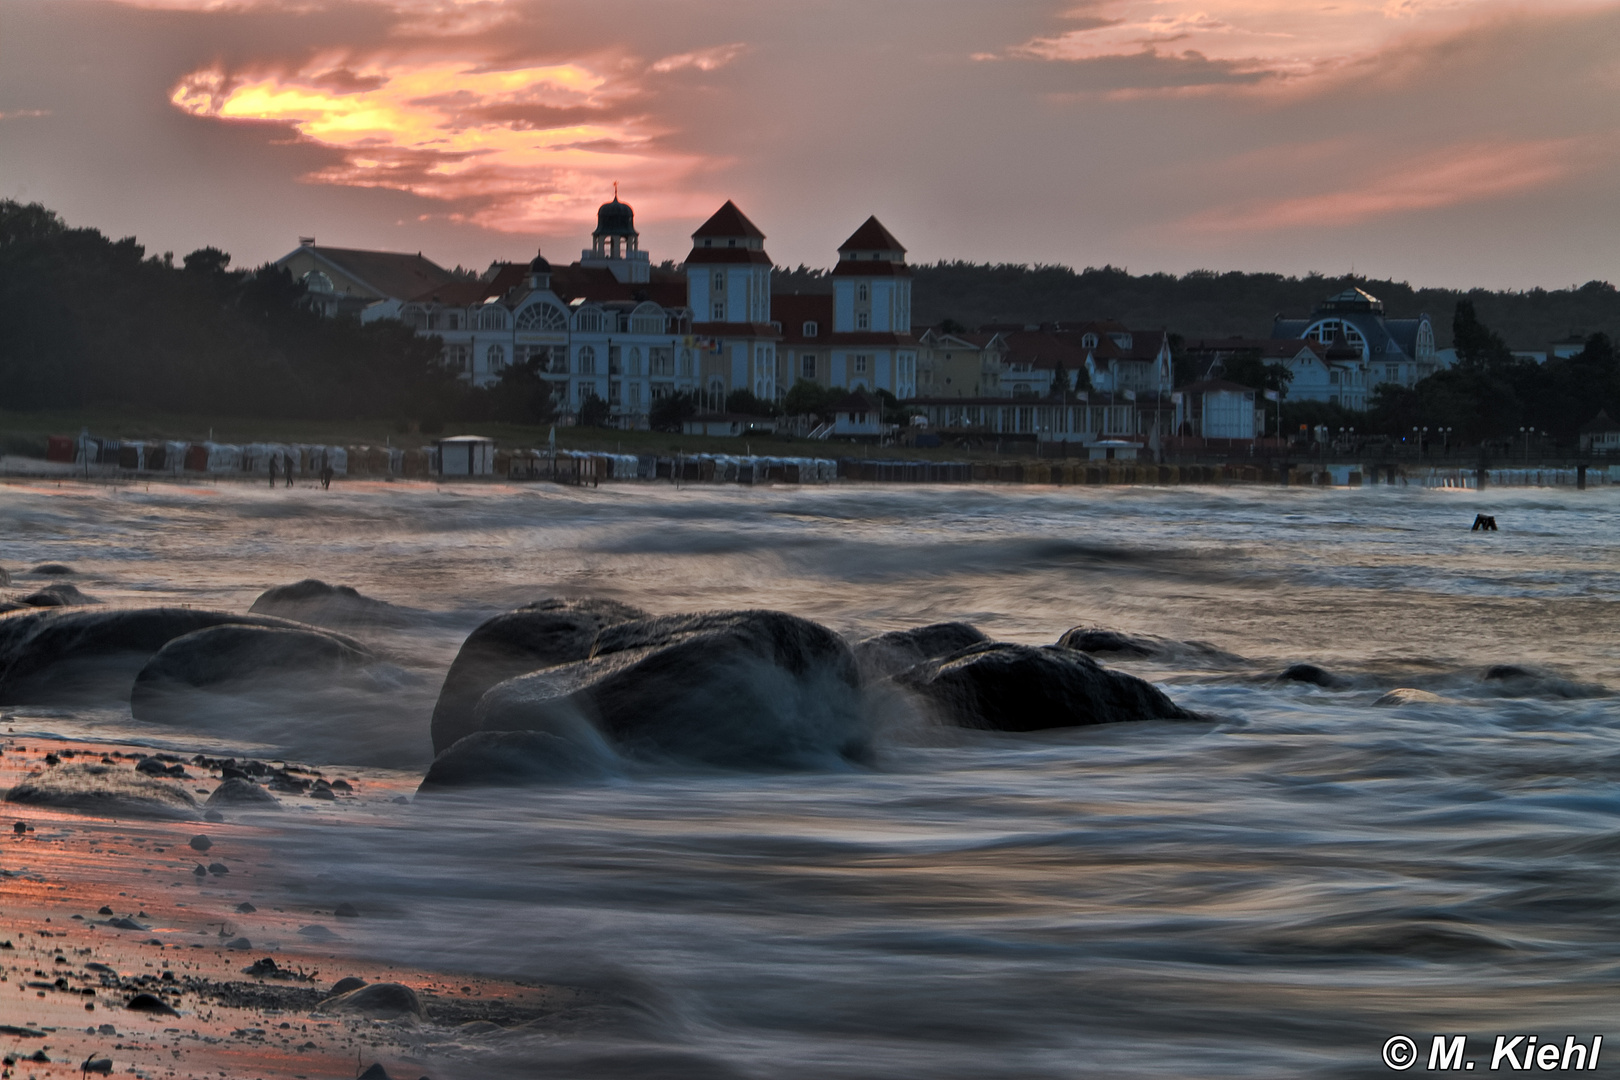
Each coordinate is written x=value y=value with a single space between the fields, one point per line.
x=793 y=310
x=729 y=221
x=871 y=236
x=706 y=255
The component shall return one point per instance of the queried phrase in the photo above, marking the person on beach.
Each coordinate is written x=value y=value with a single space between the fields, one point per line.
x=272 y=470
x=326 y=476
x=289 y=463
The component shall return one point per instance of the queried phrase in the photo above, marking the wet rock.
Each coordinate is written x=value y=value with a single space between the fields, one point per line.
x=346 y=910
x=1512 y=680
x=213 y=816
x=218 y=869
x=240 y=944
x=516 y=759
x=180 y=682
x=1004 y=687
x=199 y=871
x=97 y=1065
x=1312 y=675
x=245 y=908
x=77 y=655
x=61 y=594
x=316 y=932
x=239 y=792
x=376 y=1072
x=126 y=924
x=264 y=968
x=149 y=1003
x=53 y=569
x=1092 y=639
x=314 y=601
x=739 y=689
x=152 y=766
x=345 y=984
x=1504 y=672
x=540 y=635
x=105 y=910
x=897 y=650
x=200 y=843
x=104 y=790
x=1407 y=696
x=380 y=1001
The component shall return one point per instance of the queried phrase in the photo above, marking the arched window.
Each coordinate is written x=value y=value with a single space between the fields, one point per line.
x=686 y=362
x=587 y=360
x=317 y=282
x=719 y=281
x=494 y=358
x=860 y=292
x=542 y=316
x=635 y=362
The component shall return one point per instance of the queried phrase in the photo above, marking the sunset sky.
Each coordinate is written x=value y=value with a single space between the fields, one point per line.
x=1446 y=142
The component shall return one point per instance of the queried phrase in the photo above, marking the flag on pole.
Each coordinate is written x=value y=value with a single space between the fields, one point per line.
x=1271 y=395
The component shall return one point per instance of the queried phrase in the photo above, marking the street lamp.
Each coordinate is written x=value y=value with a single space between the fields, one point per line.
x=1445 y=438
x=1418 y=433
x=1527 y=432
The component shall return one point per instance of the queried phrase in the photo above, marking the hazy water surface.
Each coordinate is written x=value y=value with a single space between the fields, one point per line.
x=1271 y=893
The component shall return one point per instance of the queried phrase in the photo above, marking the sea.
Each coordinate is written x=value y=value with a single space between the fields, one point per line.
x=1278 y=889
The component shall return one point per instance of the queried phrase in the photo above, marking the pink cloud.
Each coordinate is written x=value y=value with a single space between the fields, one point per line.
x=1454 y=176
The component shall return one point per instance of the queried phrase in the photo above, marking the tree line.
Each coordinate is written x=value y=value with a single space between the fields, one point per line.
x=91 y=321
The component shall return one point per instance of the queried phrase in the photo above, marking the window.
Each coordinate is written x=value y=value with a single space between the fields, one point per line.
x=613 y=392
x=660 y=361
x=587 y=360
x=861 y=320
x=719 y=311
x=586 y=392
x=1089 y=341
x=1333 y=376
x=719 y=281
x=1392 y=372
x=860 y=363
x=860 y=292
x=458 y=357
x=635 y=393
x=492 y=318
x=542 y=316
x=811 y=329
x=494 y=358
x=686 y=362
x=452 y=320
x=807 y=365
x=635 y=361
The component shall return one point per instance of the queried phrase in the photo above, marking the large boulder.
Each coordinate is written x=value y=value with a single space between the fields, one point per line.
x=517 y=759
x=540 y=635
x=59 y=594
x=738 y=689
x=897 y=650
x=1004 y=687
x=105 y=790
x=227 y=659
x=67 y=655
x=314 y=601
x=1095 y=639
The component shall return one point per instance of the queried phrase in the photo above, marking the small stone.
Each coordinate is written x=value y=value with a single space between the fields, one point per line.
x=20 y=827
x=322 y=793
x=346 y=910
x=218 y=869
x=213 y=816
x=246 y=908
x=347 y=983
x=240 y=944
x=201 y=843
x=105 y=910
x=99 y=1065
x=201 y=870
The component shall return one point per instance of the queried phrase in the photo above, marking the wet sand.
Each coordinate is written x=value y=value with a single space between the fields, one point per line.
x=95 y=911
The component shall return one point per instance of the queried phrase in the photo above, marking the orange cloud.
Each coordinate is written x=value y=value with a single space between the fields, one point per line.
x=516 y=148
x=1454 y=176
